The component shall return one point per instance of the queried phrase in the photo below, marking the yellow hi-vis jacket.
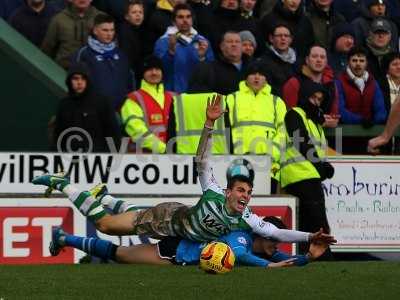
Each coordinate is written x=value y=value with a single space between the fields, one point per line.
x=294 y=166
x=256 y=122
x=134 y=121
x=190 y=115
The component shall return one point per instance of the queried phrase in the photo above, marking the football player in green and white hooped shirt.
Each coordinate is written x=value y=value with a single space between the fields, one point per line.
x=216 y=213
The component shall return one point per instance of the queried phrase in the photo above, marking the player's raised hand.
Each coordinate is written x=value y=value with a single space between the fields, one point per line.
x=320 y=236
x=214 y=107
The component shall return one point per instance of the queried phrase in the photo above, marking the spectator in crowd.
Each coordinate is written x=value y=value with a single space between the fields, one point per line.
x=249 y=22
x=202 y=13
x=391 y=91
x=249 y=43
x=256 y=117
x=391 y=84
x=291 y=12
x=224 y=74
x=161 y=18
x=304 y=165
x=145 y=112
x=315 y=69
x=264 y=7
x=360 y=97
x=279 y=58
x=349 y=9
x=106 y=61
x=181 y=48
x=113 y=8
x=8 y=7
x=132 y=37
x=343 y=40
x=360 y=100
x=85 y=109
x=371 y=10
x=226 y=17
x=323 y=18
x=378 y=45
x=32 y=20
x=69 y=30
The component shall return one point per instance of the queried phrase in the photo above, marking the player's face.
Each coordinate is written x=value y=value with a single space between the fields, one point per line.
x=269 y=247
x=238 y=197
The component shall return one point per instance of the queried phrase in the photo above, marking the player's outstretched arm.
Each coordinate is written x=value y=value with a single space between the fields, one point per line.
x=213 y=112
x=322 y=237
x=391 y=125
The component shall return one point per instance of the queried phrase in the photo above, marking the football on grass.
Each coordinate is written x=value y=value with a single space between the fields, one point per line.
x=217 y=258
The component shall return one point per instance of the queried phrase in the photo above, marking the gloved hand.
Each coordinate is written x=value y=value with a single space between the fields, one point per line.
x=325 y=170
x=329 y=169
x=367 y=123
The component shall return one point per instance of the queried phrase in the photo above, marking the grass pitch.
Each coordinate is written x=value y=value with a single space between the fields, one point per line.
x=335 y=280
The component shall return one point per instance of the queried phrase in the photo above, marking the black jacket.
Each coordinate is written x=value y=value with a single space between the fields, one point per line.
x=279 y=71
x=133 y=41
x=219 y=76
x=91 y=113
x=31 y=24
x=300 y=27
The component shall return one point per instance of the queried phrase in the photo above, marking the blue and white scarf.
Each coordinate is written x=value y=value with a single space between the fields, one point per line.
x=105 y=51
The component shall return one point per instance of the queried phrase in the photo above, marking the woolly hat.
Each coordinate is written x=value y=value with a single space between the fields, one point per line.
x=256 y=67
x=246 y=35
x=151 y=62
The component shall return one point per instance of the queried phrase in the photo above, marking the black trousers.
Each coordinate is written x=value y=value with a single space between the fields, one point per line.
x=312 y=214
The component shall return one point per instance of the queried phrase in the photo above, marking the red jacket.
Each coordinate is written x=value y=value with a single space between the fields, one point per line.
x=357 y=102
x=291 y=90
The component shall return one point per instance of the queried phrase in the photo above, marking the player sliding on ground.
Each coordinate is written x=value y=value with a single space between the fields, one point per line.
x=249 y=249
x=217 y=212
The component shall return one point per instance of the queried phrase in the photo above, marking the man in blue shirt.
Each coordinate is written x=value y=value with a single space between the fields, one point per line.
x=249 y=249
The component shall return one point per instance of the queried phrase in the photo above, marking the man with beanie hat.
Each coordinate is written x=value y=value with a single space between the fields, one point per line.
x=255 y=115
x=343 y=39
x=145 y=112
x=371 y=10
x=249 y=44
